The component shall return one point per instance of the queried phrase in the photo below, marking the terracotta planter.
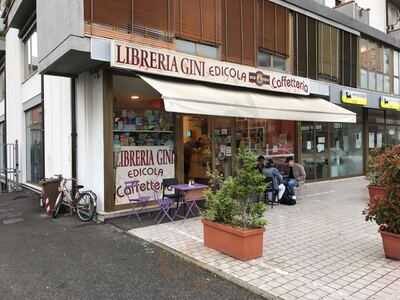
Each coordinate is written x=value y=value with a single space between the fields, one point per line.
x=376 y=194
x=391 y=244
x=238 y=243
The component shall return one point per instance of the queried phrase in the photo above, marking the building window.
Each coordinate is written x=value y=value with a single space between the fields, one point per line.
x=328 y=38
x=396 y=72
x=197 y=49
x=377 y=67
x=267 y=60
x=2 y=86
x=34 y=145
x=31 y=54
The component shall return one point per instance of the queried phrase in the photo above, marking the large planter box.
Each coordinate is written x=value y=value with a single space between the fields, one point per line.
x=391 y=244
x=376 y=194
x=238 y=243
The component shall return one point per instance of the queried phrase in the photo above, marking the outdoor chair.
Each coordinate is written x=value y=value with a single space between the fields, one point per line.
x=140 y=201
x=166 y=204
x=271 y=193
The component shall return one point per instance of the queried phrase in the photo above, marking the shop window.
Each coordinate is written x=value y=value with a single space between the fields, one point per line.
x=346 y=152
x=197 y=49
x=143 y=141
x=274 y=139
x=31 y=54
x=34 y=145
x=266 y=60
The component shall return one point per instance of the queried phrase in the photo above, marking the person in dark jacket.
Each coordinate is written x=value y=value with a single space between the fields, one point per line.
x=271 y=172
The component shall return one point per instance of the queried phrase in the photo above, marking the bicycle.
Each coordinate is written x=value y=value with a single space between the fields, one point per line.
x=83 y=202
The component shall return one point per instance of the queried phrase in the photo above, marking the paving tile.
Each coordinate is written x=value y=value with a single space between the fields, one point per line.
x=321 y=247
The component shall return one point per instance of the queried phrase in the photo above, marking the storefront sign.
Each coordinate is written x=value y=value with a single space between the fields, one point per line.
x=355 y=98
x=390 y=103
x=174 y=64
x=140 y=170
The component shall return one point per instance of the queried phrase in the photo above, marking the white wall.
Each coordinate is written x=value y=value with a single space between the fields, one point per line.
x=57 y=120
x=90 y=129
x=14 y=75
x=377 y=16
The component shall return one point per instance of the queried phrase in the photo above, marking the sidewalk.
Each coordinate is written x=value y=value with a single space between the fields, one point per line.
x=319 y=249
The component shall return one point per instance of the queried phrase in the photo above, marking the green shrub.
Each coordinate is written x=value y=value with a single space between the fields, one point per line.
x=234 y=203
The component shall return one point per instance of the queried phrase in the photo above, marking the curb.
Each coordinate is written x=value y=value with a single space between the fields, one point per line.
x=238 y=282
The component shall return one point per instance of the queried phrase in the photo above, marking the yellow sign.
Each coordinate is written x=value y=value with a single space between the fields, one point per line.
x=355 y=98
x=390 y=103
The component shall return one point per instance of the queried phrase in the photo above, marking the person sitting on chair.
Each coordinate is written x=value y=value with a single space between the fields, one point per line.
x=260 y=164
x=271 y=172
x=297 y=175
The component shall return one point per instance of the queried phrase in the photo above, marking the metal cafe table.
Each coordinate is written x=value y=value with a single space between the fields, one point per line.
x=189 y=193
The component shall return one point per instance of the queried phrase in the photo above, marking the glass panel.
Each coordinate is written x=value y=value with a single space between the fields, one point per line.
x=2 y=87
x=396 y=85
x=372 y=81
x=325 y=47
x=279 y=63
x=264 y=60
x=387 y=60
x=185 y=46
x=364 y=79
x=379 y=82
x=274 y=139
x=373 y=57
x=197 y=149
x=375 y=136
x=396 y=63
x=34 y=145
x=376 y=116
x=364 y=54
x=223 y=151
x=387 y=84
x=392 y=117
x=392 y=135
x=207 y=51
x=346 y=149
x=143 y=141
x=2 y=160
x=321 y=154
x=308 y=148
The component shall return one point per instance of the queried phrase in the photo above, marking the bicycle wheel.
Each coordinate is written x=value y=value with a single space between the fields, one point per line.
x=57 y=205
x=85 y=207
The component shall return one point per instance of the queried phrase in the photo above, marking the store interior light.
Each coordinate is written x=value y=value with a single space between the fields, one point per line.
x=134 y=97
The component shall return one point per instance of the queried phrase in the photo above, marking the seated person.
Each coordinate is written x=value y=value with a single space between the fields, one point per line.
x=297 y=175
x=260 y=164
x=276 y=178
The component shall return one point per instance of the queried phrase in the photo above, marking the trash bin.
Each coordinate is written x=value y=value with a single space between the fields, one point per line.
x=49 y=193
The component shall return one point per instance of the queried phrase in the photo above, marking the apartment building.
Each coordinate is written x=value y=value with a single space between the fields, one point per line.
x=115 y=91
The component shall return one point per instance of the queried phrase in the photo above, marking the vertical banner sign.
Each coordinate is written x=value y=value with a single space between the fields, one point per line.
x=139 y=171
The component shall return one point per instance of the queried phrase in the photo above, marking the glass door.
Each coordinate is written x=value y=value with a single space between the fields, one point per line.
x=315 y=151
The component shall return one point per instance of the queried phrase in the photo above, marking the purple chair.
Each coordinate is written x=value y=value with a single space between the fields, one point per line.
x=140 y=201
x=166 y=204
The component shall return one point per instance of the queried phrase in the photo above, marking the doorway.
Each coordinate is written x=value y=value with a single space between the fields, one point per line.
x=315 y=150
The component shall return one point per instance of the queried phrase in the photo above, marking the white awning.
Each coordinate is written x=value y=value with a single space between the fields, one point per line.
x=196 y=98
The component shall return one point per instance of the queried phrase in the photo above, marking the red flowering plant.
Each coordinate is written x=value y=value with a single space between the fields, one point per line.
x=387 y=212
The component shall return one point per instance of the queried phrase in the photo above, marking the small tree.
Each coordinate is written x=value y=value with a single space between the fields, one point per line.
x=387 y=211
x=235 y=202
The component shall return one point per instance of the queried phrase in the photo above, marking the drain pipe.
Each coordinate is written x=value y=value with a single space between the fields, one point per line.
x=44 y=127
x=5 y=130
x=74 y=134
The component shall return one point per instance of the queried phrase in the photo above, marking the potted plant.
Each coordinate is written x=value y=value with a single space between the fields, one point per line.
x=234 y=220
x=375 y=188
x=386 y=213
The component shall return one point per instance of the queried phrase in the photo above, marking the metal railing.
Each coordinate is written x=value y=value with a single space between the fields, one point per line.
x=9 y=168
